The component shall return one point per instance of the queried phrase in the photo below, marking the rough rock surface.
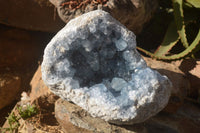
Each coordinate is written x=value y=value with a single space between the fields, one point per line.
x=191 y=68
x=93 y=62
x=184 y=120
x=132 y=13
x=20 y=51
x=182 y=85
x=36 y=15
x=68 y=113
x=9 y=87
x=36 y=85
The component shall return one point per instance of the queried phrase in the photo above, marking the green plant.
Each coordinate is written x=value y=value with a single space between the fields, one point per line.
x=13 y=119
x=176 y=31
x=28 y=112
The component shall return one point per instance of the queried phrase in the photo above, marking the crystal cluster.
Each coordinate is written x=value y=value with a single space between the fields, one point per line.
x=93 y=62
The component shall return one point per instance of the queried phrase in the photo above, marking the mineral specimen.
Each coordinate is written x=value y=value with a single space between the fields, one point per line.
x=93 y=62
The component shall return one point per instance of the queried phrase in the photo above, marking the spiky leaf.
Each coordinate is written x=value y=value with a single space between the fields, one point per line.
x=179 y=19
x=170 y=39
x=195 y=46
x=195 y=3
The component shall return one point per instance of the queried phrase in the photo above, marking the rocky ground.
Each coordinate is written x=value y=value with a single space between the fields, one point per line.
x=55 y=115
x=21 y=84
x=20 y=52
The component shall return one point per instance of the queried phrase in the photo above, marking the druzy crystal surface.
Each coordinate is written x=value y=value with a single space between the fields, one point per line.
x=93 y=62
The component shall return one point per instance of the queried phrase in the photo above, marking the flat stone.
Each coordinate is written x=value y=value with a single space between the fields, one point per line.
x=187 y=115
x=68 y=114
x=37 y=15
x=69 y=71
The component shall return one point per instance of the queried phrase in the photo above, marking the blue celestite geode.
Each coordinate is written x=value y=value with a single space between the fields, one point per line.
x=94 y=63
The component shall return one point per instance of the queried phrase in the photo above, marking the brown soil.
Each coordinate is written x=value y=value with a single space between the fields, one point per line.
x=45 y=120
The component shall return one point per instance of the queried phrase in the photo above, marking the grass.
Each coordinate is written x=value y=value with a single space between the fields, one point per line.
x=13 y=119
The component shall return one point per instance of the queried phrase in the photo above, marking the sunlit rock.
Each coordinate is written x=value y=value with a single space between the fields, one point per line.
x=93 y=62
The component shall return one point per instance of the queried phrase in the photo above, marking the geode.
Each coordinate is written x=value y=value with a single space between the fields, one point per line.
x=93 y=62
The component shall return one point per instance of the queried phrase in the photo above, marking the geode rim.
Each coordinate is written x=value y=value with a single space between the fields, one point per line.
x=94 y=63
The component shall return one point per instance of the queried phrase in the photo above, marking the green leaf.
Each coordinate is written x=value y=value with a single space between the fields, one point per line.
x=194 y=47
x=170 y=39
x=195 y=3
x=179 y=19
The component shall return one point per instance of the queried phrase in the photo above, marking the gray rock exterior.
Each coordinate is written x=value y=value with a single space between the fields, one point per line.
x=94 y=63
x=131 y=13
